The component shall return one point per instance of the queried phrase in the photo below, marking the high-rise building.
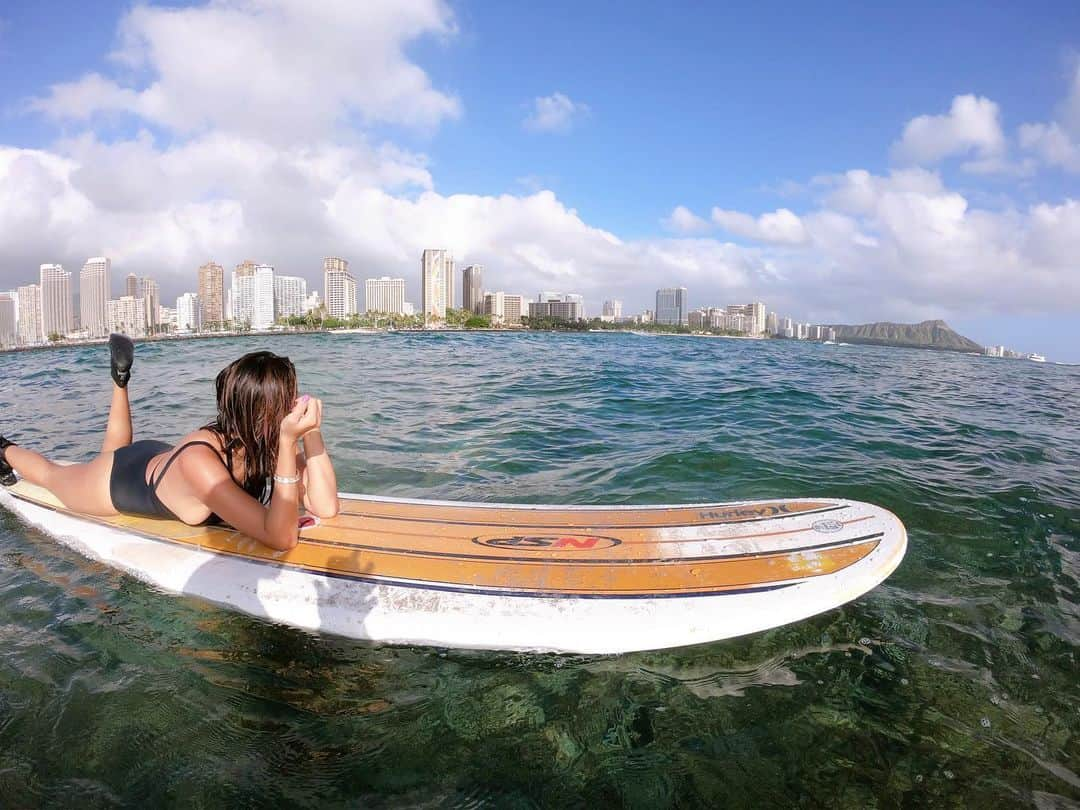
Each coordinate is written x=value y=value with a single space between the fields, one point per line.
x=772 y=323
x=339 y=288
x=753 y=316
x=242 y=294
x=211 y=294
x=612 y=311
x=579 y=300
x=262 y=297
x=289 y=295
x=472 y=288
x=55 y=300
x=189 y=311
x=312 y=302
x=127 y=315
x=504 y=309
x=151 y=295
x=29 y=324
x=131 y=286
x=94 y=296
x=8 y=328
x=384 y=295
x=246 y=268
x=671 y=306
x=563 y=310
x=436 y=283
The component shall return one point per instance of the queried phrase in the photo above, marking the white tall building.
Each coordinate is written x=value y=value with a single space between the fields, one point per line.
x=29 y=317
x=339 y=288
x=188 y=313
x=384 y=295
x=55 y=300
x=437 y=283
x=504 y=309
x=312 y=302
x=289 y=295
x=127 y=315
x=242 y=297
x=753 y=315
x=262 y=297
x=772 y=323
x=94 y=296
x=8 y=328
x=612 y=310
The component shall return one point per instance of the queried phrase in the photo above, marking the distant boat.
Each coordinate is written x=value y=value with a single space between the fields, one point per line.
x=1038 y=358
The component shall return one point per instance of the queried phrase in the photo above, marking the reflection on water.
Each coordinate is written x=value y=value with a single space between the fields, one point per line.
x=953 y=684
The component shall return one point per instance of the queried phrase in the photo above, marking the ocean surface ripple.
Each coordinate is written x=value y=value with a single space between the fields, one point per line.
x=956 y=683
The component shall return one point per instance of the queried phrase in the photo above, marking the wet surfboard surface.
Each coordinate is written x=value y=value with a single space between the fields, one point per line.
x=522 y=577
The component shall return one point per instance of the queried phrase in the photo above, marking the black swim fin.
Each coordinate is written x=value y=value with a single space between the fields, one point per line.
x=7 y=475
x=122 y=354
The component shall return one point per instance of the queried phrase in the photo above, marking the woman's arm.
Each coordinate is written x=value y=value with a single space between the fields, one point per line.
x=211 y=483
x=320 y=482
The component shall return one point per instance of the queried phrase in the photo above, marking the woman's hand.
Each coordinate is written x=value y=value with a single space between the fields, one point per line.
x=305 y=417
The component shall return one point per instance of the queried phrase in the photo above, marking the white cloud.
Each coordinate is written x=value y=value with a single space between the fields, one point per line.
x=1057 y=143
x=971 y=127
x=1051 y=144
x=684 y=221
x=239 y=171
x=279 y=70
x=554 y=113
x=781 y=226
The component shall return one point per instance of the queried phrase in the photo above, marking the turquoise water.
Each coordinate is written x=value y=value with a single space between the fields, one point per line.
x=954 y=684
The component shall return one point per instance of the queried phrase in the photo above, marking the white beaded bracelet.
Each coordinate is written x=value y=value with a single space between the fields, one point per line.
x=283 y=479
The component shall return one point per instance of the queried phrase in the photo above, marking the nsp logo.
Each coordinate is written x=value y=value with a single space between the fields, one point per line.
x=562 y=542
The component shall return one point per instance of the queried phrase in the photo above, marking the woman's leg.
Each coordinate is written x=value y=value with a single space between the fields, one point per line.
x=80 y=487
x=121 y=356
x=118 y=431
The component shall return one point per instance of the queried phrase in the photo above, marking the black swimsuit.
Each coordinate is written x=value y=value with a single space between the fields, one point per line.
x=131 y=493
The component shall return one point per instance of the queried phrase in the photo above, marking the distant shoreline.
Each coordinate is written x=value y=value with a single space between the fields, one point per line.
x=457 y=331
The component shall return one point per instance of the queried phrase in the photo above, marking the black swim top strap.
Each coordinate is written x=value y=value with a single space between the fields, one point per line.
x=156 y=480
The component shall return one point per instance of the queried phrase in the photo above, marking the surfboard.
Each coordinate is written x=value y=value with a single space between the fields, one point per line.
x=574 y=579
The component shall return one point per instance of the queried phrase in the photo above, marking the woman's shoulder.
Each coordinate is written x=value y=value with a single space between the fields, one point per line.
x=199 y=447
x=202 y=436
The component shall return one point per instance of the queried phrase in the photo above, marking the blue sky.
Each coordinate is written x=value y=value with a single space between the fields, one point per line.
x=750 y=111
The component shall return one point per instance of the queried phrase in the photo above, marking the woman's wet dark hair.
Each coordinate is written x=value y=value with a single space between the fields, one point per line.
x=254 y=394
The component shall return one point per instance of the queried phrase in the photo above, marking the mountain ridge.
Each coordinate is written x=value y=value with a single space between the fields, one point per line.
x=932 y=334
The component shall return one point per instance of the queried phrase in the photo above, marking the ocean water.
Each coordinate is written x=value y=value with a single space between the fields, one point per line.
x=955 y=684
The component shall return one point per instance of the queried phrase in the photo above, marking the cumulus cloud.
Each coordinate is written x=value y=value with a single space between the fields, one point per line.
x=972 y=128
x=279 y=164
x=554 y=113
x=919 y=247
x=781 y=226
x=1057 y=143
x=279 y=70
x=683 y=220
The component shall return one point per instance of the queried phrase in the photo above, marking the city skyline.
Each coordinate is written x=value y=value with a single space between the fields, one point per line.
x=259 y=298
x=952 y=195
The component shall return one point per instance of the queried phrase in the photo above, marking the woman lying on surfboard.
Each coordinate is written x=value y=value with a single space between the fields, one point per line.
x=252 y=467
